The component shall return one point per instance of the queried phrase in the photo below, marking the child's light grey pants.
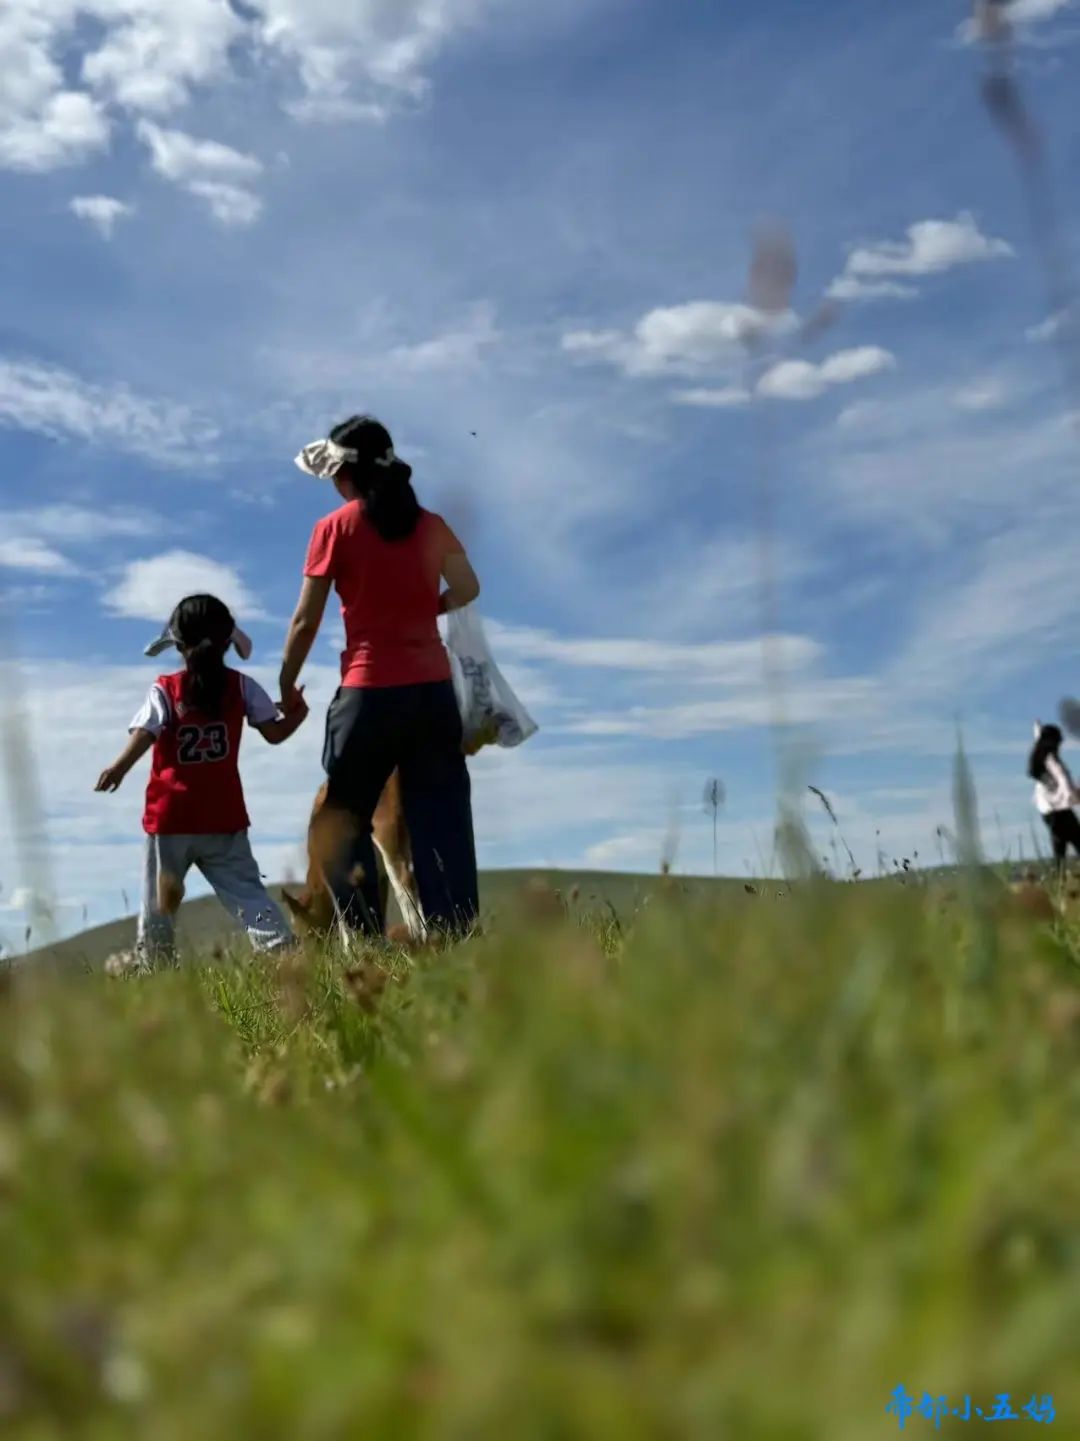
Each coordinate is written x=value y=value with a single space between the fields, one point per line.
x=227 y=863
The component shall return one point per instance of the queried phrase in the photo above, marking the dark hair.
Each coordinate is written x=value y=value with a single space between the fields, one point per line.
x=1047 y=745
x=390 y=502
x=204 y=627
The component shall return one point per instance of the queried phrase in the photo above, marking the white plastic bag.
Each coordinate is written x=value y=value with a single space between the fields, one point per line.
x=491 y=713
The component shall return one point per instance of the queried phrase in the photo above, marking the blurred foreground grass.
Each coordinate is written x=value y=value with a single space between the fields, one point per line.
x=735 y=1171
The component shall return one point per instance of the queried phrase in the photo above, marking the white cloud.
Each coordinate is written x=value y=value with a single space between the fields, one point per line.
x=384 y=46
x=63 y=129
x=931 y=248
x=801 y=380
x=43 y=123
x=151 y=589
x=726 y=398
x=147 y=57
x=153 y=52
x=101 y=211
x=207 y=169
x=54 y=402
x=988 y=393
x=688 y=339
x=26 y=553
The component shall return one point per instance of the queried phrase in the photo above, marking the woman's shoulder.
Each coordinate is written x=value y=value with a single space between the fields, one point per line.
x=345 y=518
x=435 y=524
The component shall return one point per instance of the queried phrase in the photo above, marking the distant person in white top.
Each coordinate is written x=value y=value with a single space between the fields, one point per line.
x=1055 y=791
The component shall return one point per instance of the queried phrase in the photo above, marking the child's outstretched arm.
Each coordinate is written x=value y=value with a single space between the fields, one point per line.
x=112 y=777
x=276 y=732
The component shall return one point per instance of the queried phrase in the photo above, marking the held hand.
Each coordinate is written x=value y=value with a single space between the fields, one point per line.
x=292 y=702
x=111 y=778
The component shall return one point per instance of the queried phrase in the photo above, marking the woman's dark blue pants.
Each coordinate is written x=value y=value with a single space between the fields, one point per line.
x=415 y=729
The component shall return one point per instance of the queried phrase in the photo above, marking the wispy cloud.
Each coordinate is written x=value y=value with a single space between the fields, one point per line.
x=54 y=402
x=453 y=349
x=33 y=537
x=735 y=662
x=988 y=393
x=730 y=397
x=101 y=211
x=81 y=524
x=1063 y=322
x=214 y=173
x=33 y=555
x=805 y=702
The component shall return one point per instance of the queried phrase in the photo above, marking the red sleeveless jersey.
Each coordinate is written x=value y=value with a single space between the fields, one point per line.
x=195 y=787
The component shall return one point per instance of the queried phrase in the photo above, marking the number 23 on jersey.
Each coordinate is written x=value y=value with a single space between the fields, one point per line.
x=200 y=745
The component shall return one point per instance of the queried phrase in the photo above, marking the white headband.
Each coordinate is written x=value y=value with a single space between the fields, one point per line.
x=240 y=640
x=324 y=458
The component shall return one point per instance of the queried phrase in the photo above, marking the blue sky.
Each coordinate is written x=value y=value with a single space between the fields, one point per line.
x=225 y=227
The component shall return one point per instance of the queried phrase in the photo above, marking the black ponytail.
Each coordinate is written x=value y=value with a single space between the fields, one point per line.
x=1048 y=744
x=390 y=502
x=204 y=627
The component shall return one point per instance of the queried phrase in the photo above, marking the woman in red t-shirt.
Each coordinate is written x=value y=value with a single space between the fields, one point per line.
x=387 y=558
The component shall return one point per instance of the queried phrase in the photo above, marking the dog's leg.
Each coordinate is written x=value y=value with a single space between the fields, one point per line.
x=391 y=836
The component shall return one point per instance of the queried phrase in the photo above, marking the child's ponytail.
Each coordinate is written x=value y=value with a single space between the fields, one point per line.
x=204 y=627
x=204 y=688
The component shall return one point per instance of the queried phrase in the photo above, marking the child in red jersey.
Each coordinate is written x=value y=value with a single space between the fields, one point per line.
x=195 y=812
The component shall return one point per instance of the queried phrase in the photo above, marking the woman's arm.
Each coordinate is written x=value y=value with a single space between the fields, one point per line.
x=277 y=732
x=112 y=777
x=462 y=585
x=302 y=632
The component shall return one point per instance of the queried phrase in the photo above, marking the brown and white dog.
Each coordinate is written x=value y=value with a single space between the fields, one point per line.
x=314 y=910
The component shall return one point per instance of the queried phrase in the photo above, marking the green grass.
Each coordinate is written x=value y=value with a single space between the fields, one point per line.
x=203 y=923
x=715 y=1169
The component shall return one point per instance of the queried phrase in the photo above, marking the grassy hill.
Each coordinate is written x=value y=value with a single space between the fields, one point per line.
x=737 y=1168
x=203 y=923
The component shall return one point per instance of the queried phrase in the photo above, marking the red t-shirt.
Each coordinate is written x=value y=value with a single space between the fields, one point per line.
x=194 y=787
x=389 y=596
